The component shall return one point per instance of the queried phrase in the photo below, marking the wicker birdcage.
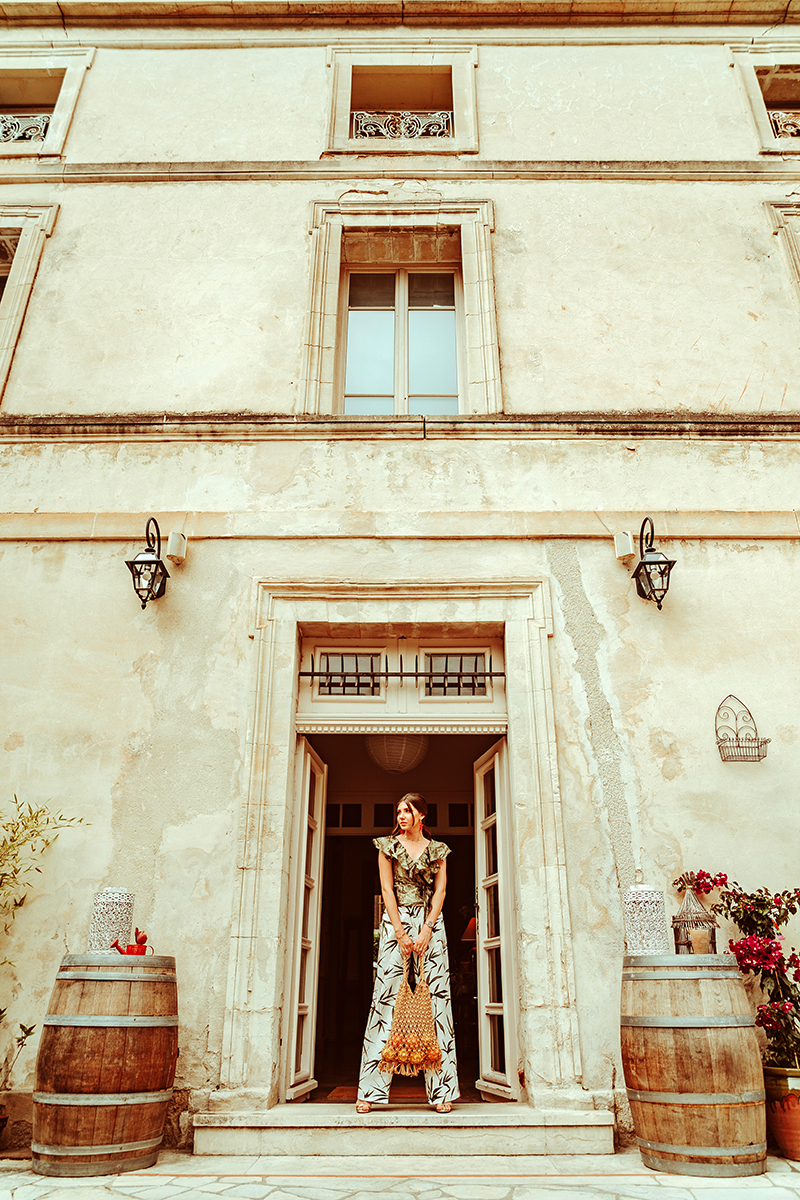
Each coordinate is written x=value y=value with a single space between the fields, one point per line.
x=693 y=915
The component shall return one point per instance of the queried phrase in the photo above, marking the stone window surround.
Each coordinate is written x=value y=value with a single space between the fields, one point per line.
x=74 y=64
x=481 y=391
x=462 y=61
x=35 y=223
x=785 y=221
x=746 y=69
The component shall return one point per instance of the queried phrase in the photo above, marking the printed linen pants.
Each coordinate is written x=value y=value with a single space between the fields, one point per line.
x=373 y=1084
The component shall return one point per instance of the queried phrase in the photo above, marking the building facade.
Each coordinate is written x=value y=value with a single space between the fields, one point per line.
x=399 y=314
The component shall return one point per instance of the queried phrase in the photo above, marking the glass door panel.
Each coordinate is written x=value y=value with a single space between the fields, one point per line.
x=495 y=938
x=305 y=912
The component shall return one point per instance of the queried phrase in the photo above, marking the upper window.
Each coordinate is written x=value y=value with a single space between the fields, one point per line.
x=401 y=316
x=9 y=240
x=401 y=102
x=27 y=101
x=772 y=86
x=402 y=351
x=38 y=94
x=23 y=230
x=388 y=101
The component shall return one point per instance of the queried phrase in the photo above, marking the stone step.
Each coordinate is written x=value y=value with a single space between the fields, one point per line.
x=337 y=1129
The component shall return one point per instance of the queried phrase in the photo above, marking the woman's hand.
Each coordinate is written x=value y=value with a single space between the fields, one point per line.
x=405 y=943
x=423 y=941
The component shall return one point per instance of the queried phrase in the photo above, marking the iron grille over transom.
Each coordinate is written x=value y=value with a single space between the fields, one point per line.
x=349 y=675
x=455 y=675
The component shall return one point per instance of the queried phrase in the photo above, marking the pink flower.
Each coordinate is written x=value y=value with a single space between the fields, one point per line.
x=758 y=954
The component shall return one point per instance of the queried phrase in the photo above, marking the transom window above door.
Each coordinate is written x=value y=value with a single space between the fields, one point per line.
x=402 y=343
x=406 y=681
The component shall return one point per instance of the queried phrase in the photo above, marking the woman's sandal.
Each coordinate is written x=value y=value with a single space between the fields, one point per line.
x=363 y=1106
x=444 y=1108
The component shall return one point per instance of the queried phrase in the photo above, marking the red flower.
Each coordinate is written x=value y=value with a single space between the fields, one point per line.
x=758 y=954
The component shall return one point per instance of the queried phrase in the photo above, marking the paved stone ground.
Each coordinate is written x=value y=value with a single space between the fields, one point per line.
x=576 y=1177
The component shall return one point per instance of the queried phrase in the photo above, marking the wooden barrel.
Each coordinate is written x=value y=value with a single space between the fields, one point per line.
x=692 y=1065
x=106 y=1065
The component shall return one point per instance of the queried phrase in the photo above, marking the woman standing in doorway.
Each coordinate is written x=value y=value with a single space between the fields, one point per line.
x=413 y=883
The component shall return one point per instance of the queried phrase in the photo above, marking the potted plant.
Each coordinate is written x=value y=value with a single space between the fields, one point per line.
x=25 y=834
x=760 y=915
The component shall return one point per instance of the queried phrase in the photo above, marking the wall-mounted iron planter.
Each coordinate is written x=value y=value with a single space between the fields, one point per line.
x=737 y=736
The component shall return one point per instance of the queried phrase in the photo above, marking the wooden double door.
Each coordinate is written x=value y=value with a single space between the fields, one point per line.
x=494 y=928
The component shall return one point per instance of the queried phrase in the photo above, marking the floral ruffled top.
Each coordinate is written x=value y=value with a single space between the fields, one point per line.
x=413 y=878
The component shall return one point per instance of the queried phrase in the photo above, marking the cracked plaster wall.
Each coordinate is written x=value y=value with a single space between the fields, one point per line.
x=677 y=292
x=137 y=722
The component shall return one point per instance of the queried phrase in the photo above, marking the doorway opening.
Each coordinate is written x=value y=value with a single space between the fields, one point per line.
x=360 y=806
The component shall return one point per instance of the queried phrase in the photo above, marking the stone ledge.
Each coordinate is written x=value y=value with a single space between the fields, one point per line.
x=772 y=167
x=255 y=427
x=314 y=524
x=344 y=1116
x=433 y=13
x=475 y=1129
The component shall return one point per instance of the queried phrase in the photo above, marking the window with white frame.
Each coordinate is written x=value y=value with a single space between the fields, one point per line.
x=38 y=94
x=401 y=315
x=407 y=680
x=401 y=353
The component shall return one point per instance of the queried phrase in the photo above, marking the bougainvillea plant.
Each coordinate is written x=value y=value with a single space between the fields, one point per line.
x=700 y=882
x=760 y=916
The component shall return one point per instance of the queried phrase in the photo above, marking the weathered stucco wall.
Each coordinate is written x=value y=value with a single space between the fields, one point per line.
x=662 y=291
x=271 y=102
x=678 y=296
x=137 y=721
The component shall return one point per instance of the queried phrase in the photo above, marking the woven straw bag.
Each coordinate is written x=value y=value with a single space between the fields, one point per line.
x=412 y=1045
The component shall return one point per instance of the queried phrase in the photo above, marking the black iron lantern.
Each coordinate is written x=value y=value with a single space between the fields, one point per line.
x=652 y=571
x=149 y=573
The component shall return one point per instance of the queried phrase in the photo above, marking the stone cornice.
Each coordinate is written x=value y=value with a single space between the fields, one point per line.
x=249 y=427
x=773 y=170
x=330 y=524
x=393 y=13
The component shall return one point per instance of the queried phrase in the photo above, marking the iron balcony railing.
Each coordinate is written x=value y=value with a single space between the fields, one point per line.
x=24 y=127
x=785 y=122
x=402 y=123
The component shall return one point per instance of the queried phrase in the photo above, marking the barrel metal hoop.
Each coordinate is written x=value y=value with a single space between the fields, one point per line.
x=695 y=1097
x=102 y=1098
x=712 y=962
x=115 y=977
x=632 y=976
x=727 y=1022
x=704 y=1151
x=106 y=958
x=708 y=1169
x=81 y=1151
x=108 y=1022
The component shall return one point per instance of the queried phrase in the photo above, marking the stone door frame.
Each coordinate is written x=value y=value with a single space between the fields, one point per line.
x=281 y=612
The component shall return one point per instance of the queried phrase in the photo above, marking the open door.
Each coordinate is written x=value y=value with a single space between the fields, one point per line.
x=311 y=779
x=497 y=1001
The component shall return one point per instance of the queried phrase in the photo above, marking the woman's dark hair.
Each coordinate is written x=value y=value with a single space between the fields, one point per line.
x=415 y=800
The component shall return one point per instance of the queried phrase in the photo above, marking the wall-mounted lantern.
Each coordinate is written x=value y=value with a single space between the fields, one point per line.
x=652 y=571
x=149 y=573
x=737 y=735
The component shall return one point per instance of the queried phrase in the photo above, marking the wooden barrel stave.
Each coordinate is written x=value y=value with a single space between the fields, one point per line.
x=696 y=1043
x=120 y=1052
